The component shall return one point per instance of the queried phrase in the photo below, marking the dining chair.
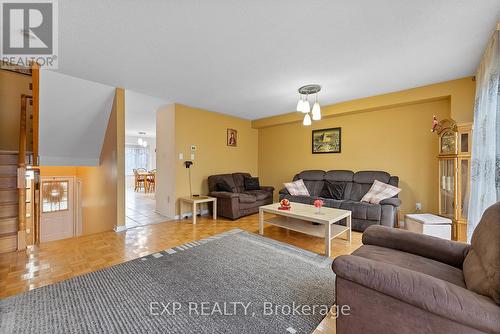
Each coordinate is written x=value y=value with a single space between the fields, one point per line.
x=151 y=180
x=140 y=180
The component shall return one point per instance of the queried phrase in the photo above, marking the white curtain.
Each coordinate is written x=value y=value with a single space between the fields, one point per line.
x=485 y=164
x=135 y=157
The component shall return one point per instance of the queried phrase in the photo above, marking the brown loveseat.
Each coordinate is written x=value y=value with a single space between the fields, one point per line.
x=238 y=202
x=403 y=282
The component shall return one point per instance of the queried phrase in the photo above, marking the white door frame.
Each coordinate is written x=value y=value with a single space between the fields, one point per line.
x=77 y=227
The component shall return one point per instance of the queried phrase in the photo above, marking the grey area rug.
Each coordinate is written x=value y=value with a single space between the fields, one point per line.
x=234 y=282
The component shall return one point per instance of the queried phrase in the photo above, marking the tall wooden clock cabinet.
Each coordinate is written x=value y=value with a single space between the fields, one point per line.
x=455 y=143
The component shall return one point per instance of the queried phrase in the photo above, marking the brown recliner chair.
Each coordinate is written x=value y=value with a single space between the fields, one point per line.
x=404 y=282
x=238 y=202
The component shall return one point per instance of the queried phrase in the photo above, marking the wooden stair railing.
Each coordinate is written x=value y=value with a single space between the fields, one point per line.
x=26 y=134
x=35 y=76
x=21 y=176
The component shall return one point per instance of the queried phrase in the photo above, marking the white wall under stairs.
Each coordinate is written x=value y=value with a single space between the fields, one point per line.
x=74 y=115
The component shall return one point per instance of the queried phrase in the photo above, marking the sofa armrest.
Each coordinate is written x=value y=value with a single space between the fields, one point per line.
x=428 y=293
x=284 y=191
x=223 y=194
x=267 y=188
x=391 y=201
x=446 y=251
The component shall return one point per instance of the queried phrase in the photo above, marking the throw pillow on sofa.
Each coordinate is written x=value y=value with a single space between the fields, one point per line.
x=297 y=188
x=380 y=191
x=333 y=189
x=252 y=183
x=223 y=186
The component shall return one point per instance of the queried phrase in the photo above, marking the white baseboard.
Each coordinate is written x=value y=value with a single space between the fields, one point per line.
x=120 y=228
x=190 y=214
x=163 y=214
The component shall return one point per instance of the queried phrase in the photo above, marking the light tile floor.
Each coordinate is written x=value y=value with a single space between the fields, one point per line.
x=140 y=209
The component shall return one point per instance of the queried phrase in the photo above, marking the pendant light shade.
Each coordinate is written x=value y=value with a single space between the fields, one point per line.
x=144 y=143
x=139 y=141
x=316 y=111
x=306 y=107
x=307 y=120
x=300 y=104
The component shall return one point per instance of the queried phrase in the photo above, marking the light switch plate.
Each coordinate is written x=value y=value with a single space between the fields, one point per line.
x=181 y=156
x=418 y=206
x=192 y=156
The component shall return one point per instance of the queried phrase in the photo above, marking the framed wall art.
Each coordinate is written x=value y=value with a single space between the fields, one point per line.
x=326 y=141
x=232 y=137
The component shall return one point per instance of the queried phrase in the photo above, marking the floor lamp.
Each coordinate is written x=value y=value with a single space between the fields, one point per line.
x=188 y=165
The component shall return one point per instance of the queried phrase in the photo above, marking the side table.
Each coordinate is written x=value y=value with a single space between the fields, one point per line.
x=193 y=201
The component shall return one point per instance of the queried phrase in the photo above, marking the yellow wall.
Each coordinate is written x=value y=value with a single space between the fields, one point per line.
x=103 y=204
x=103 y=187
x=12 y=86
x=119 y=106
x=388 y=132
x=98 y=205
x=58 y=171
x=207 y=130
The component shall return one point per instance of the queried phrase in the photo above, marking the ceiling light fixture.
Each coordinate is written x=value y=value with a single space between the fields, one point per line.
x=304 y=106
x=140 y=141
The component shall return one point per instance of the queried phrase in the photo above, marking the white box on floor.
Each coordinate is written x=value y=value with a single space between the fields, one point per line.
x=429 y=224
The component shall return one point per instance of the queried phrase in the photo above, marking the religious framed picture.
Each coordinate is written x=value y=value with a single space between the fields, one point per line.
x=326 y=141
x=232 y=137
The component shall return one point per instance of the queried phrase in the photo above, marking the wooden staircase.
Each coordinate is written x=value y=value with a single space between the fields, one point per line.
x=9 y=202
x=19 y=177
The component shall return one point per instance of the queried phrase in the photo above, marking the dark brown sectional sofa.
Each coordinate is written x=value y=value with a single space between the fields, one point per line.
x=239 y=202
x=357 y=185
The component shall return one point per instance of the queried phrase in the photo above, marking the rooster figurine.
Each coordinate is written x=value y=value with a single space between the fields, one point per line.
x=434 y=123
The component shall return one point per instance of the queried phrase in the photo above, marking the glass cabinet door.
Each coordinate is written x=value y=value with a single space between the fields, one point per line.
x=463 y=188
x=447 y=187
x=465 y=139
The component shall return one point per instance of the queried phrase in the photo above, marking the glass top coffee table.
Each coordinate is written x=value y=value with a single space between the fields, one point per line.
x=300 y=218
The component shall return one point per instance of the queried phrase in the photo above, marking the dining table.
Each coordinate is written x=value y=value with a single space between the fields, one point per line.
x=147 y=176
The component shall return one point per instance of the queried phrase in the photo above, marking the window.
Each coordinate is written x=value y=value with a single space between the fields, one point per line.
x=54 y=196
x=135 y=157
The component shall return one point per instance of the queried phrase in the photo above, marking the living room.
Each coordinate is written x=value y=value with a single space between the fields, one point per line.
x=324 y=180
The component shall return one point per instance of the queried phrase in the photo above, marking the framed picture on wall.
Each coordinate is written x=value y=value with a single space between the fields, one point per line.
x=232 y=137
x=326 y=141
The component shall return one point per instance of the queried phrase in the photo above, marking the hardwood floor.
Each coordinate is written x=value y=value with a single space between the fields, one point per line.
x=55 y=261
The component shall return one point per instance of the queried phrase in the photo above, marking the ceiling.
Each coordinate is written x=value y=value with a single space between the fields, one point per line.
x=248 y=58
